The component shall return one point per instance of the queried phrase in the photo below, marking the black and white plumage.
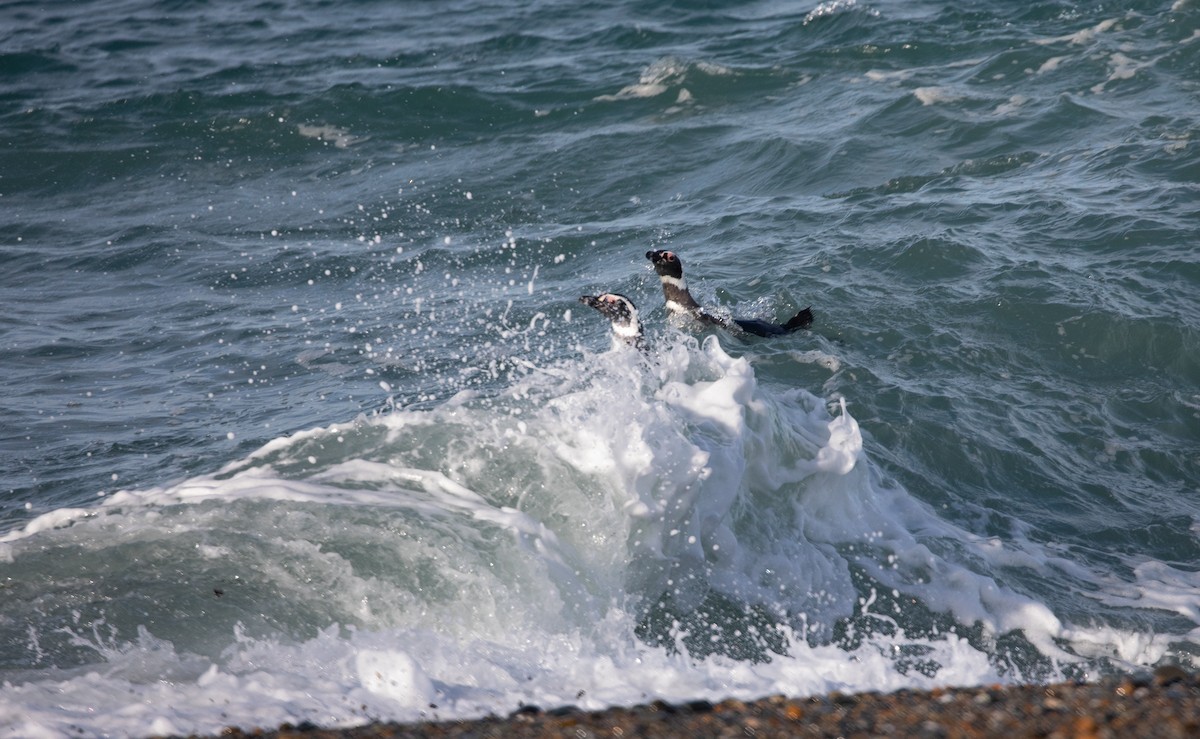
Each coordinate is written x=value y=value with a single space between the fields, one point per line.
x=680 y=301
x=621 y=313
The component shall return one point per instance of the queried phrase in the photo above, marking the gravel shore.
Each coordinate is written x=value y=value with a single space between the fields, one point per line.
x=1165 y=704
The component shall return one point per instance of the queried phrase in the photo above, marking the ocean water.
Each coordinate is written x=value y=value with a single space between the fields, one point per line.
x=303 y=421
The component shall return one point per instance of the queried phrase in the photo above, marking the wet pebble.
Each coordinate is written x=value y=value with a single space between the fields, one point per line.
x=1167 y=705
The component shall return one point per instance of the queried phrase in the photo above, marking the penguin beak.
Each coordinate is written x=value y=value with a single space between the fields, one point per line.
x=608 y=308
x=594 y=301
x=659 y=256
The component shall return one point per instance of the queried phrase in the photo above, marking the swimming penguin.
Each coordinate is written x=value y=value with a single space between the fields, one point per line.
x=622 y=313
x=679 y=300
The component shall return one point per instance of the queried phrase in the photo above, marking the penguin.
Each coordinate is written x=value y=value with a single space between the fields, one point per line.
x=623 y=315
x=680 y=301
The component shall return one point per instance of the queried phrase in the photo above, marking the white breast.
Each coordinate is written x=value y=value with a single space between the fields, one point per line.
x=674 y=307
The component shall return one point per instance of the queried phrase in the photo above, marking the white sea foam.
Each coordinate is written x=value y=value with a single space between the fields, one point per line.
x=663 y=74
x=1051 y=64
x=495 y=551
x=347 y=678
x=1084 y=36
x=934 y=95
x=1122 y=67
x=1014 y=104
x=898 y=75
x=339 y=137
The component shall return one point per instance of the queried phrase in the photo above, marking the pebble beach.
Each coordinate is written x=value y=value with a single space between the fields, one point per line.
x=1165 y=704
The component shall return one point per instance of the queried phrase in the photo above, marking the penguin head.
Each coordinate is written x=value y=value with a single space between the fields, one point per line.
x=621 y=311
x=666 y=264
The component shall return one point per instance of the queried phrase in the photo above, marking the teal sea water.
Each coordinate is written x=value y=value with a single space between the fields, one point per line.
x=303 y=421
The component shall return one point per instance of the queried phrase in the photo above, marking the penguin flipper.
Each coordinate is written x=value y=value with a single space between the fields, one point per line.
x=759 y=328
x=803 y=319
